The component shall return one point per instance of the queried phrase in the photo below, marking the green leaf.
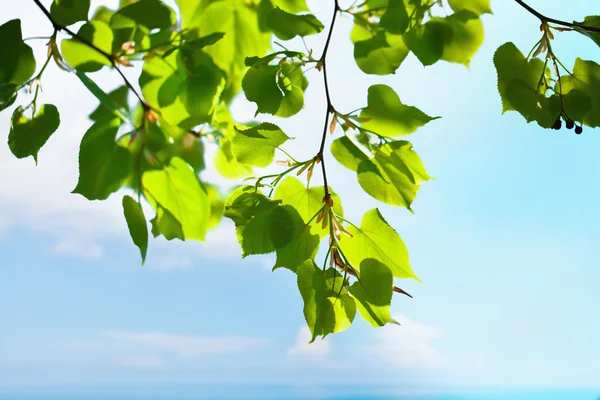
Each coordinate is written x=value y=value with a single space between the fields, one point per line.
x=478 y=7
x=217 y=205
x=160 y=81
x=8 y=96
x=260 y=87
x=27 y=136
x=256 y=218
x=467 y=37
x=202 y=89
x=323 y=311
x=136 y=222
x=262 y=61
x=380 y=53
x=395 y=19
x=244 y=203
x=68 y=12
x=292 y=83
x=145 y=14
x=590 y=20
x=226 y=163
x=117 y=99
x=376 y=239
x=303 y=247
x=256 y=146
x=177 y=189
x=520 y=89
x=165 y=224
x=585 y=79
x=10 y=37
x=200 y=43
x=347 y=153
x=105 y=99
x=394 y=174
x=243 y=38
x=287 y=26
x=81 y=56
x=103 y=164
x=307 y=201
x=428 y=41
x=276 y=89
x=18 y=62
x=373 y=292
x=191 y=12
x=387 y=116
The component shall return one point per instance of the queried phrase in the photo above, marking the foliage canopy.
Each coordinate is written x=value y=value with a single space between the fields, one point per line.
x=148 y=137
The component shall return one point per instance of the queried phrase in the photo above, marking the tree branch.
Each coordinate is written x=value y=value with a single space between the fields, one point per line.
x=83 y=40
x=543 y=18
x=330 y=109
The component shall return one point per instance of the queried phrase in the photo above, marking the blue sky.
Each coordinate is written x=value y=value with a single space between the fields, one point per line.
x=506 y=241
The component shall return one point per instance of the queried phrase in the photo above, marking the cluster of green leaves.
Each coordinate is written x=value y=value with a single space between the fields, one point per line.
x=195 y=59
x=542 y=89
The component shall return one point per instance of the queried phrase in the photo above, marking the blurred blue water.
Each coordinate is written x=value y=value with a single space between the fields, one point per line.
x=237 y=392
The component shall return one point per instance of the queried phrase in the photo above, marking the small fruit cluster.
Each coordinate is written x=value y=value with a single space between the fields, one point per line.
x=569 y=123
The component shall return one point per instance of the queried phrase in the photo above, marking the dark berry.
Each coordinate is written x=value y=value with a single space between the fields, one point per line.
x=570 y=124
x=557 y=125
x=578 y=129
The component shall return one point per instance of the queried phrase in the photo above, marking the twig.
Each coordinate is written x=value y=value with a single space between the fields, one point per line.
x=543 y=18
x=323 y=63
x=83 y=40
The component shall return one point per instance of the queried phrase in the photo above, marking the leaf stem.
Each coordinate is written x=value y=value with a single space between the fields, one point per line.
x=83 y=40
x=544 y=18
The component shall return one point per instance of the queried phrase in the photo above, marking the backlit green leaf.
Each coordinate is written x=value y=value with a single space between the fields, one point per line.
x=394 y=174
x=373 y=292
x=378 y=53
x=467 y=37
x=226 y=163
x=287 y=26
x=27 y=136
x=478 y=7
x=243 y=38
x=256 y=146
x=593 y=21
x=324 y=312
x=118 y=99
x=103 y=164
x=18 y=62
x=520 y=89
x=376 y=239
x=177 y=189
x=68 y=12
x=395 y=19
x=347 y=153
x=136 y=222
x=388 y=116
x=81 y=56
x=260 y=86
x=165 y=224
x=145 y=14
x=428 y=41
x=586 y=80
x=307 y=201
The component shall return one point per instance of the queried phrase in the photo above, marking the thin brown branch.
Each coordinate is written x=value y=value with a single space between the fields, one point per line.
x=544 y=18
x=83 y=40
x=323 y=64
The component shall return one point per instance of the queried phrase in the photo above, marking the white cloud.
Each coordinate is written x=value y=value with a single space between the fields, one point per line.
x=78 y=248
x=188 y=345
x=408 y=346
x=318 y=349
